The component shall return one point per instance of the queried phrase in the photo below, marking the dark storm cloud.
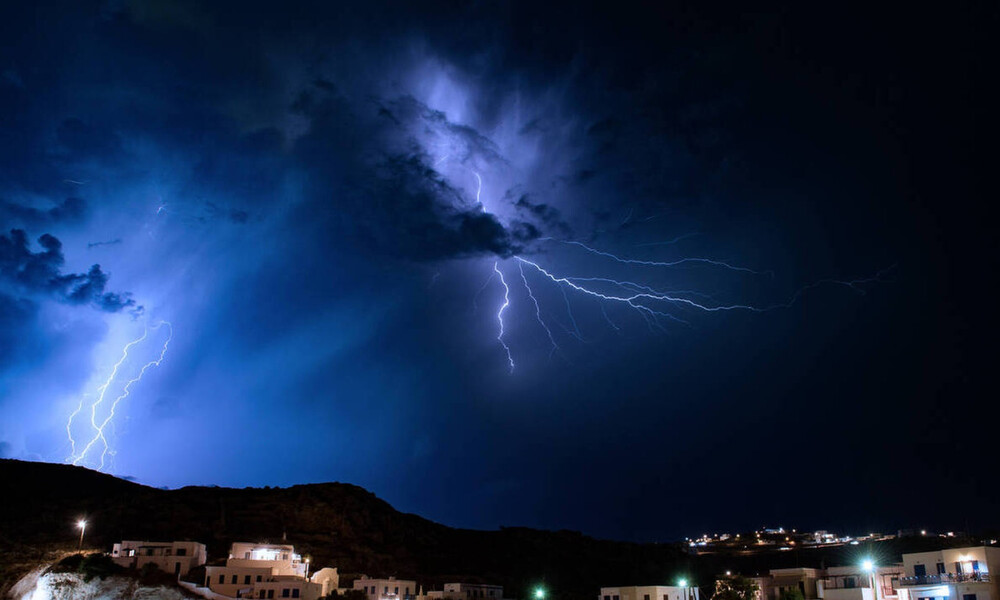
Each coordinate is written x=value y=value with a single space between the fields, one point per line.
x=69 y=210
x=40 y=273
x=387 y=195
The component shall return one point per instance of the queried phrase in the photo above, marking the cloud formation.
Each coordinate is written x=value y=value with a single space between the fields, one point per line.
x=40 y=273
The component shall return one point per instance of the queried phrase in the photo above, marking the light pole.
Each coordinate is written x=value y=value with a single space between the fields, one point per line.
x=869 y=566
x=684 y=584
x=82 y=526
x=307 y=568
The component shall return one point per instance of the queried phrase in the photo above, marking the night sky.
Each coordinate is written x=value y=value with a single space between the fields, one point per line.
x=315 y=204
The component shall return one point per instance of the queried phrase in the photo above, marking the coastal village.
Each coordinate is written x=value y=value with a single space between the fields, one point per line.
x=268 y=571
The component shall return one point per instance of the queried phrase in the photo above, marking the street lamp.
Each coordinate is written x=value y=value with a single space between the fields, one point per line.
x=869 y=566
x=684 y=584
x=307 y=567
x=82 y=526
x=539 y=593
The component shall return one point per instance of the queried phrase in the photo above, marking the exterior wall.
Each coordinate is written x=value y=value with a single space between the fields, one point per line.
x=286 y=588
x=245 y=578
x=857 y=593
x=654 y=592
x=327 y=578
x=387 y=589
x=470 y=591
x=171 y=557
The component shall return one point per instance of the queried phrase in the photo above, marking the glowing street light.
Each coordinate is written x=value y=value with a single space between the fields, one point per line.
x=82 y=526
x=869 y=566
x=682 y=582
x=539 y=593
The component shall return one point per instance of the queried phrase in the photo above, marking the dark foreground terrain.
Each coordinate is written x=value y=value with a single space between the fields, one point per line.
x=344 y=526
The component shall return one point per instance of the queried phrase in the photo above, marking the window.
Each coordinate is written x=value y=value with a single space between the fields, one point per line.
x=246 y=580
x=848 y=582
x=258 y=579
x=181 y=552
x=609 y=598
x=222 y=579
x=665 y=597
x=167 y=552
x=396 y=590
x=261 y=594
x=295 y=592
x=246 y=555
x=975 y=568
x=615 y=597
x=919 y=570
x=968 y=597
x=270 y=593
x=285 y=592
x=940 y=568
x=284 y=556
x=645 y=597
x=386 y=590
x=234 y=579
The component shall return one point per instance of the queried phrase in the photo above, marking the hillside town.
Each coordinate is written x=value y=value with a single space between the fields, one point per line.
x=268 y=571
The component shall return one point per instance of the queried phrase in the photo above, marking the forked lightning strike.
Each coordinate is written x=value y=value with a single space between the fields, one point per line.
x=99 y=429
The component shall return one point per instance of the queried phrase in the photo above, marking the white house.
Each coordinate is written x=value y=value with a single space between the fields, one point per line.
x=387 y=589
x=855 y=583
x=467 y=591
x=649 y=592
x=952 y=574
x=172 y=557
x=269 y=571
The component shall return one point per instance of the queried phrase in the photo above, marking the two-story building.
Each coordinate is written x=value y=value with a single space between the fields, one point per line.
x=649 y=592
x=387 y=589
x=172 y=557
x=467 y=591
x=269 y=571
x=952 y=574
x=802 y=578
x=855 y=583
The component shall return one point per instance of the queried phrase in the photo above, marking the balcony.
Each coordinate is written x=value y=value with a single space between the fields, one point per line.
x=945 y=578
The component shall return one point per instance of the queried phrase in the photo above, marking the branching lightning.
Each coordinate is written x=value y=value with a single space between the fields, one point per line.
x=538 y=310
x=503 y=307
x=656 y=263
x=100 y=428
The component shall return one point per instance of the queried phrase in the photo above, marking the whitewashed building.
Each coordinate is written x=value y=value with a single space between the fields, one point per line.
x=387 y=589
x=855 y=583
x=467 y=591
x=649 y=592
x=171 y=557
x=267 y=571
x=952 y=574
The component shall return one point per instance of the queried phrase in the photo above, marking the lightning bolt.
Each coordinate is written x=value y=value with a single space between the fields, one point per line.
x=99 y=436
x=538 y=310
x=503 y=307
x=101 y=391
x=657 y=263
